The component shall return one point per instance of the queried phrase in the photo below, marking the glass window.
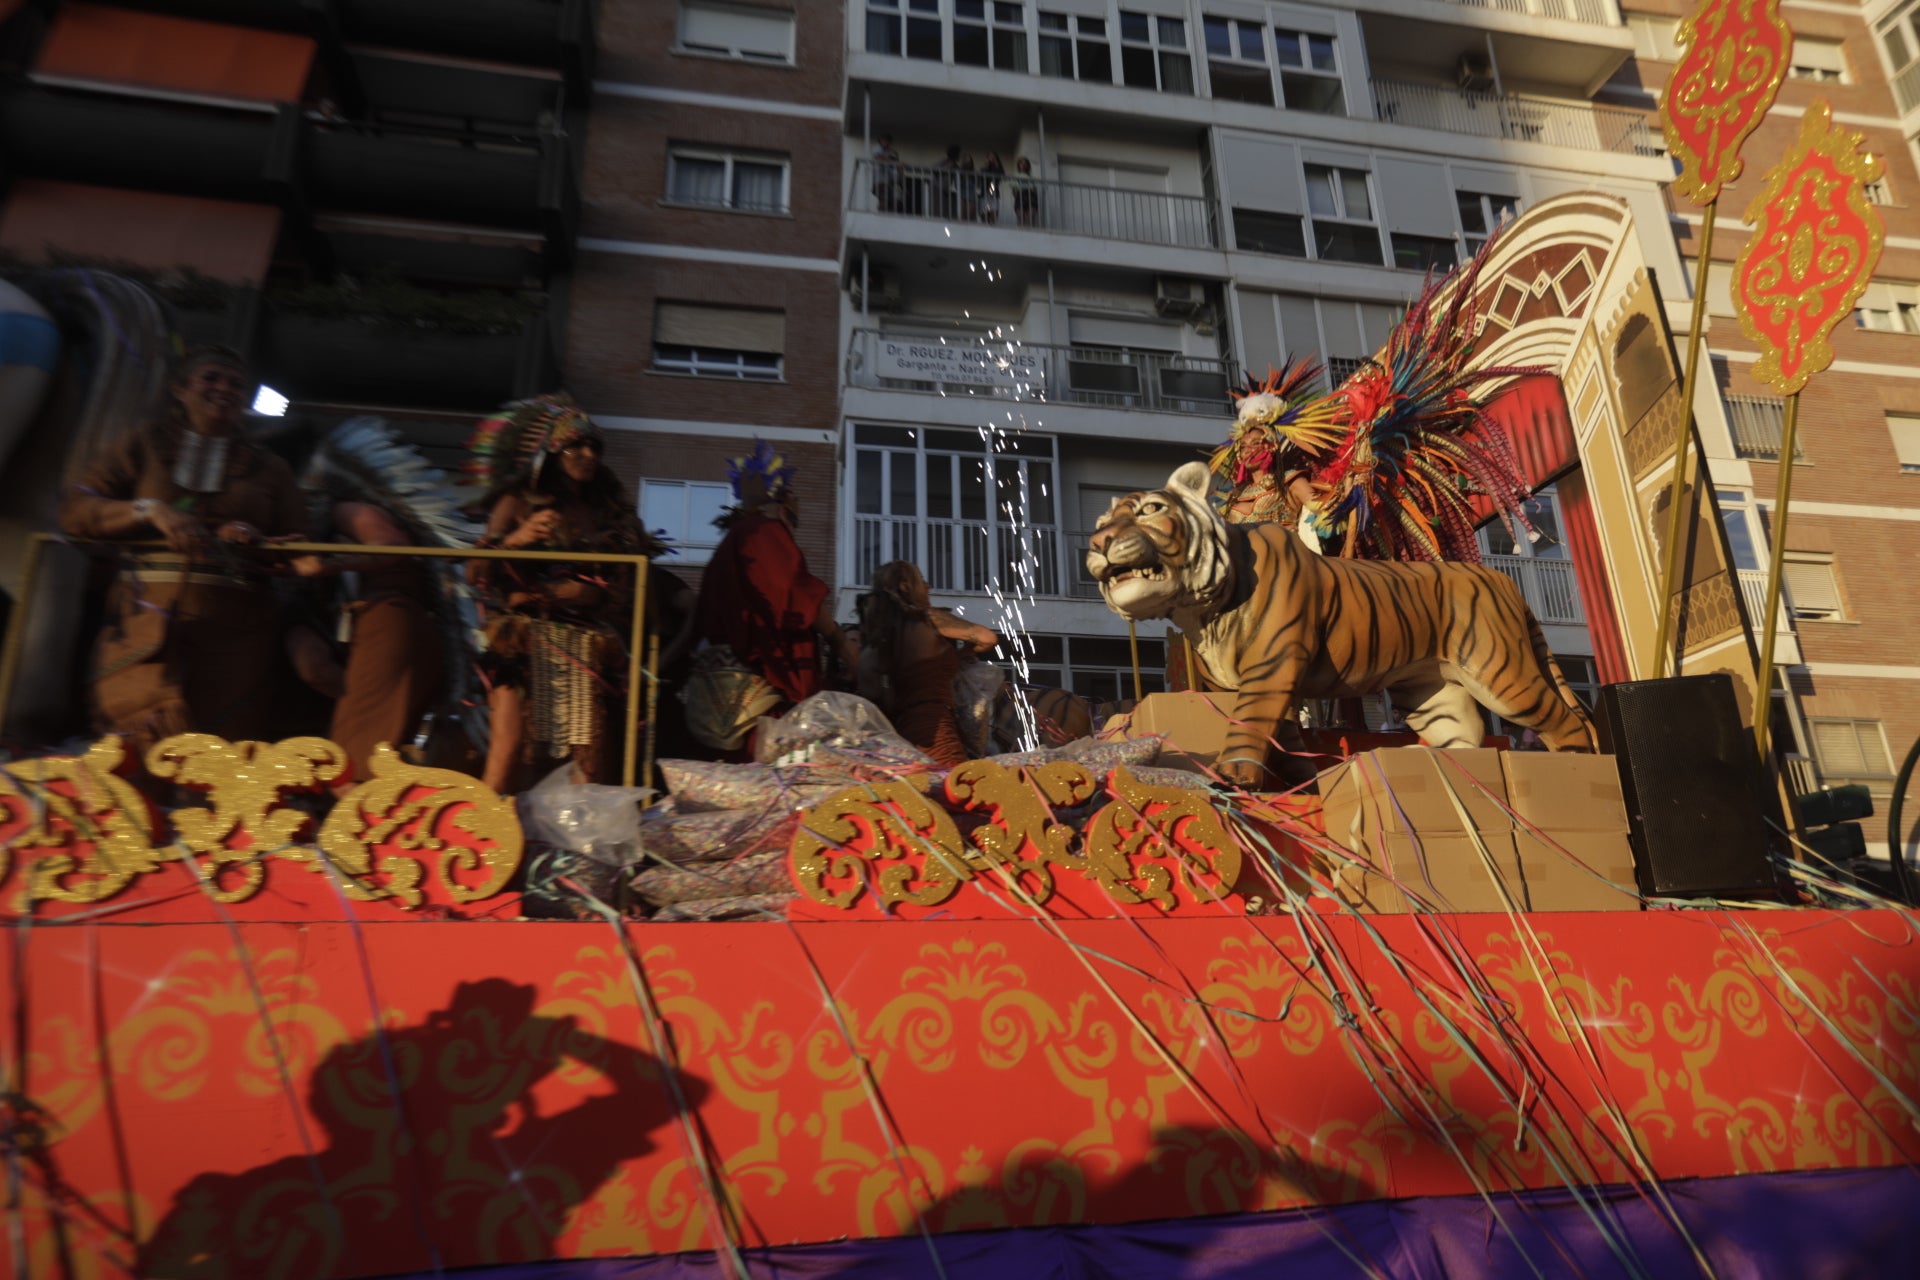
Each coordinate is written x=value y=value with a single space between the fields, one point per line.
x=1852 y=751
x=989 y=36
x=1237 y=61
x=1342 y=209
x=727 y=180
x=1424 y=253
x=736 y=31
x=717 y=362
x=1153 y=53
x=1075 y=48
x=1309 y=72
x=1259 y=232
x=1481 y=215
x=684 y=511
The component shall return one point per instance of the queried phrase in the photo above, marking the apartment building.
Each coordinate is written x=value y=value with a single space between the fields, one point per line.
x=1850 y=612
x=706 y=299
x=1213 y=184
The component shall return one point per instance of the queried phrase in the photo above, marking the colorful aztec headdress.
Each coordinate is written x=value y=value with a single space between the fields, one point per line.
x=759 y=475
x=519 y=438
x=1286 y=407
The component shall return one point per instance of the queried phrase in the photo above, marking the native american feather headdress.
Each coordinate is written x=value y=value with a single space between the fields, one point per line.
x=1417 y=443
x=518 y=439
x=1292 y=414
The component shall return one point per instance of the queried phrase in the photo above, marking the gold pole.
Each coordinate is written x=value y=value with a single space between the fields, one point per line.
x=653 y=705
x=1763 y=708
x=1193 y=671
x=634 y=640
x=16 y=641
x=1133 y=647
x=1657 y=666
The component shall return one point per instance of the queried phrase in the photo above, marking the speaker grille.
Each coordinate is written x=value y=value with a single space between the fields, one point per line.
x=1694 y=801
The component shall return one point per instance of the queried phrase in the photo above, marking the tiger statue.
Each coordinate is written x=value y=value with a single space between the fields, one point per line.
x=1277 y=624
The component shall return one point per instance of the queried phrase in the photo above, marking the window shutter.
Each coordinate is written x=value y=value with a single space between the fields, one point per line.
x=1341 y=321
x=762 y=31
x=685 y=324
x=1418 y=196
x=1114 y=331
x=1822 y=55
x=1486 y=182
x=1260 y=174
x=1259 y=332
x=1337 y=159
x=1905 y=429
x=1837 y=747
x=1811 y=586
x=1299 y=326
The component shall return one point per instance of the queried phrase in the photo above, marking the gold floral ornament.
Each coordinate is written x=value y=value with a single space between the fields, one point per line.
x=90 y=829
x=377 y=831
x=1021 y=834
x=884 y=837
x=1735 y=54
x=1815 y=243
x=244 y=782
x=1135 y=845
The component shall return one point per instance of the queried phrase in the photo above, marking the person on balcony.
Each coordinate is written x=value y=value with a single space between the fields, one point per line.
x=761 y=613
x=992 y=173
x=911 y=654
x=555 y=655
x=1026 y=193
x=889 y=187
x=946 y=184
x=191 y=636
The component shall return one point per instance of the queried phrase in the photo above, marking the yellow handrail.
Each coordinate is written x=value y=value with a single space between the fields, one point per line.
x=10 y=652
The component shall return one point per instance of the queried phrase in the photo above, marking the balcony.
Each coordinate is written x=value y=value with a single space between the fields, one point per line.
x=1064 y=208
x=1757 y=423
x=1550 y=588
x=1516 y=117
x=1102 y=377
x=1591 y=11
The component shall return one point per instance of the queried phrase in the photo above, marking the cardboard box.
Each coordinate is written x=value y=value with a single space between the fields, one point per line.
x=1195 y=725
x=1400 y=790
x=1554 y=883
x=1447 y=873
x=1562 y=791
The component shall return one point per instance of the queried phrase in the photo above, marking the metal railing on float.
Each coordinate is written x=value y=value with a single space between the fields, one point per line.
x=12 y=652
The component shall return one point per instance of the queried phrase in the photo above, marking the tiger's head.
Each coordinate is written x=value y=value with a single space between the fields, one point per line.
x=1162 y=550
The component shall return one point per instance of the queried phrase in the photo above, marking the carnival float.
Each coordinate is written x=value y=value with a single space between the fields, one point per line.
x=1200 y=995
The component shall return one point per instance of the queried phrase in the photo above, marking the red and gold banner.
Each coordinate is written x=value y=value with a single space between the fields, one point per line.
x=1734 y=59
x=1815 y=243
x=323 y=1099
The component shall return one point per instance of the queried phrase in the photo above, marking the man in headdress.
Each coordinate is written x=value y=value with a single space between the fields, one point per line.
x=759 y=602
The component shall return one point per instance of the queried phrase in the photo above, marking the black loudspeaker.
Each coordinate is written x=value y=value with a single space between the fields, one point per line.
x=1696 y=807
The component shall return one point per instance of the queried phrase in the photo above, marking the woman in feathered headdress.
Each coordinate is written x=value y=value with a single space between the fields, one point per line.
x=1281 y=432
x=555 y=657
x=761 y=612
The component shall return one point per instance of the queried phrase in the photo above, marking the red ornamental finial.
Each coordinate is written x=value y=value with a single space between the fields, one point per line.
x=1734 y=60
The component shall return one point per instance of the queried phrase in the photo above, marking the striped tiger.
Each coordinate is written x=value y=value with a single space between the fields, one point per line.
x=1277 y=624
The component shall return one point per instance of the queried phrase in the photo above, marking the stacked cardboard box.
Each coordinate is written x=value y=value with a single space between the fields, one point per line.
x=1441 y=825
x=1194 y=724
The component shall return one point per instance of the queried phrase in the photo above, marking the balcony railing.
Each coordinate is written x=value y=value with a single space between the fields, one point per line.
x=1596 y=12
x=1550 y=588
x=1070 y=208
x=962 y=555
x=1753 y=585
x=1757 y=423
x=1517 y=118
x=1109 y=377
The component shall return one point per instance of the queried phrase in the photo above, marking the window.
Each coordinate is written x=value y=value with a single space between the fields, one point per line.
x=1543 y=513
x=1758 y=423
x=1897 y=34
x=1734 y=518
x=684 y=511
x=727 y=180
x=733 y=31
x=1237 y=61
x=1153 y=53
x=1098 y=668
x=1653 y=36
x=1852 y=751
x=1876 y=192
x=990 y=34
x=1309 y=73
x=1819 y=60
x=1813 y=589
x=719 y=342
x=1890 y=307
x=909 y=27
x=1424 y=253
x=1905 y=430
x=1481 y=215
x=1075 y=48
x=1342 y=209
x=1279 y=233
x=936 y=497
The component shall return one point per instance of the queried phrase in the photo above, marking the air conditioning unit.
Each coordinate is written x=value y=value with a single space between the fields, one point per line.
x=1475 y=71
x=886 y=290
x=1175 y=297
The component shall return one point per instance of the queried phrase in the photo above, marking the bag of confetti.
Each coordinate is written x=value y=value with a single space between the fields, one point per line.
x=700 y=786
x=762 y=872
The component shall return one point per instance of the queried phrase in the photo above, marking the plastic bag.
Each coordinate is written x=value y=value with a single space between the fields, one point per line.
x=699 y=786
x=975 y=690
x=756 y=873
x=600 y=822
x=845 y=721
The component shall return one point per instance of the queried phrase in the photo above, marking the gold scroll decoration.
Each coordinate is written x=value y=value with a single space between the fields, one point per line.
x=411 y=810
x=1020 y=833
x=886 y=833
x=244 y=782
x=1734 y=55
x=1135 y=844
x=1815 y=243
x=83 y=831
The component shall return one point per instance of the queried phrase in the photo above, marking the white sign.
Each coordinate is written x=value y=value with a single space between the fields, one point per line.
x=979 y=364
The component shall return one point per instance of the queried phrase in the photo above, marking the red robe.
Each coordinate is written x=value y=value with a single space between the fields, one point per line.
x=758 y=599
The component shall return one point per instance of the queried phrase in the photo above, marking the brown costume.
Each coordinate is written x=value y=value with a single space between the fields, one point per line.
x=188 y=645
x=394 y=665
x=923 y=706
